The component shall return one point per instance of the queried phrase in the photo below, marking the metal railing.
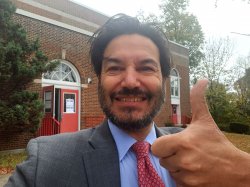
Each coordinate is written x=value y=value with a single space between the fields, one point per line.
x=49 y=126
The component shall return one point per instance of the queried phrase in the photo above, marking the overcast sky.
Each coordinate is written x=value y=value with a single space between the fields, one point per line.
x=229 y=16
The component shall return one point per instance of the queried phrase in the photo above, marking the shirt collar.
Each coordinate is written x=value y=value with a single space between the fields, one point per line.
x=124 y=141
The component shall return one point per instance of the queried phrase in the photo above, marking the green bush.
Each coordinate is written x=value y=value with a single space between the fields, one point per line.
x=224 y=127
x=239 y=127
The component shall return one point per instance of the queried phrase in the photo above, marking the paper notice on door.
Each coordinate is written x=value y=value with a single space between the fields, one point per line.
x=70 y=105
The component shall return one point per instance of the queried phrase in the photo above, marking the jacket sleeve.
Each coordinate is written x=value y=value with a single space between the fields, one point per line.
x=25 y=173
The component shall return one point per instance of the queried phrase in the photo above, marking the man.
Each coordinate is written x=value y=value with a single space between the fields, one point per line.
x=131 y=61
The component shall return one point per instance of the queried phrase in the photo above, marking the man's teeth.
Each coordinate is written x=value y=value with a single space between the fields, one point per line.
x=136 y=99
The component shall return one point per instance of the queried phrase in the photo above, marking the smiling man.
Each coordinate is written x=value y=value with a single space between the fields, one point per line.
x=130 y=87
x=131 y=61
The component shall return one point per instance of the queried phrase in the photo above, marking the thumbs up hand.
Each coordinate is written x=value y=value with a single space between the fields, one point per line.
x=201 y=155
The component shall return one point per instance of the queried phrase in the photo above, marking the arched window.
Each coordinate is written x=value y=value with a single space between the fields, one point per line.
x=64 y=72
x=174 y=77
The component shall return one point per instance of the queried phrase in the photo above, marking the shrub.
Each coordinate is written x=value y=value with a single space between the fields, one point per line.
x=238 y=127
x=224 y=127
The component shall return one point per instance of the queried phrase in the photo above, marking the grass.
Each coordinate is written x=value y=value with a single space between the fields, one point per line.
x=9 y=161
x=241 y=141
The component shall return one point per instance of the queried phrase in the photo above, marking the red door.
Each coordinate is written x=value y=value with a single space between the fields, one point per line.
x=69 y=110
x=174 y=114
x=48 y=126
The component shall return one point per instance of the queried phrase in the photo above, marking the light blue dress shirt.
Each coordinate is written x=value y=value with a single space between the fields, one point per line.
x=128 y=162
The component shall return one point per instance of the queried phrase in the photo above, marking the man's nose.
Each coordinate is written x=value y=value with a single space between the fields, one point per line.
x=130 y=79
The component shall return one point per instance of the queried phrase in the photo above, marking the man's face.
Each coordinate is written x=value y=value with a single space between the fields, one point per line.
x=131 y=86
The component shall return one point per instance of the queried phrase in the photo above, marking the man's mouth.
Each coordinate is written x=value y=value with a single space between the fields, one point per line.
x=130 y=99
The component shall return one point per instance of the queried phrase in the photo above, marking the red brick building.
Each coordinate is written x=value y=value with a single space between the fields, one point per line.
x=70 y=92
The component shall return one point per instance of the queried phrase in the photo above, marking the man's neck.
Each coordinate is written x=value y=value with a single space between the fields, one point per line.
x=141 y=134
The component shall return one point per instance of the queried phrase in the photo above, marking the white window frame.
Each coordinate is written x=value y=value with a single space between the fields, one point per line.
x=174 y=84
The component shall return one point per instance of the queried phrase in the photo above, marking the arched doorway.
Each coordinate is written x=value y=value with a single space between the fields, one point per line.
x=175 y=96
x=61 y=95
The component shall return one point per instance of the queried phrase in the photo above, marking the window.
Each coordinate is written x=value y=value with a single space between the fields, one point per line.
x=48 y=101
x=69 y=103
x=61 y=73
x=174 y=83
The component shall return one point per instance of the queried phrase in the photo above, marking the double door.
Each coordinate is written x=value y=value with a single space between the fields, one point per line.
x=62 y=105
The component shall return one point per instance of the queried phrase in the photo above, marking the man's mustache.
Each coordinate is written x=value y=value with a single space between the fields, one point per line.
x=131 y=92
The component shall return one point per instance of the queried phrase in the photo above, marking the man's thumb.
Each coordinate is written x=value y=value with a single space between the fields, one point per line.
x=166 y=146
x=198 y=101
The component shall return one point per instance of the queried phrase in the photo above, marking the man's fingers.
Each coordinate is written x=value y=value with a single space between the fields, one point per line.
x=170 y=163
x=198 y=101
x=166 y=146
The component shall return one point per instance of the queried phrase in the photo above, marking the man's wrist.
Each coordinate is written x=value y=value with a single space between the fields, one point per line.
x=242 y=167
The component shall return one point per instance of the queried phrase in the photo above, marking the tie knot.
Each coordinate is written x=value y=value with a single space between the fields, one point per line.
x=141 y=149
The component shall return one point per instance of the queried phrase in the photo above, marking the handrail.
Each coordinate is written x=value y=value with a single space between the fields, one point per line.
x=57 y=122
x=49 y=126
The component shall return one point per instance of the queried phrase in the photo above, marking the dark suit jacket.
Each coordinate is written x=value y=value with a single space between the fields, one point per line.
x=84 y=158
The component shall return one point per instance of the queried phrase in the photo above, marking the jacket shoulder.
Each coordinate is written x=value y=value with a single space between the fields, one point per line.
x=59 y=154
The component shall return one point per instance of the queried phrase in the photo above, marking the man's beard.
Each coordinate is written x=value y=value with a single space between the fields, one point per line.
x=128 y=122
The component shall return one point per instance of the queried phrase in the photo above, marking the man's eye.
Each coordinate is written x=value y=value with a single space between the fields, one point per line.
x=114 y=69
x=147 y=69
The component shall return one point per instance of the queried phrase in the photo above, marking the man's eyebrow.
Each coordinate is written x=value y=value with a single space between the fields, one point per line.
x=149 y=61
x=111 y=59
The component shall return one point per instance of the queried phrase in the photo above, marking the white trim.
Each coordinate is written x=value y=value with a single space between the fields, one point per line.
x=37 y=81
x=85 y=85
x=79 y=108
x=81 y=4
x=61 y=86
x=61 y=13
x=175 y=101
x=179 y=86
x=53 y=22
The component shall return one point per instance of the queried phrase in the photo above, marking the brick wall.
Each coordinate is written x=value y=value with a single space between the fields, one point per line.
x=163 y=115
x=52 y=40
x=180 y=63
x=14 y=140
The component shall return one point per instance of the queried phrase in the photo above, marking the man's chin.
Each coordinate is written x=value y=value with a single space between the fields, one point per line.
x=131 y=125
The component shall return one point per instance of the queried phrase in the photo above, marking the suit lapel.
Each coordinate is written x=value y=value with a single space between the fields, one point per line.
x=102 y=162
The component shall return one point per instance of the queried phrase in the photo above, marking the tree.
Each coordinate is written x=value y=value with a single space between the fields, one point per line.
x=20 y=62
x=222 y=105
x=180 y=27
x=241 y=79
x=217 y=53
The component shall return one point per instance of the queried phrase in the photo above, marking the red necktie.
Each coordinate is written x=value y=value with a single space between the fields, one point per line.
x=147 y=175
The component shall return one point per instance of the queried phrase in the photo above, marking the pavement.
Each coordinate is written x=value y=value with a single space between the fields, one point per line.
x=4 y=179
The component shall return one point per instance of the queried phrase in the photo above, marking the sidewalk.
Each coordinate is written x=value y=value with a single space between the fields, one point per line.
x=4 y=179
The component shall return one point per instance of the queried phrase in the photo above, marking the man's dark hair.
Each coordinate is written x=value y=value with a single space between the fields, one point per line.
x=122 y=24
